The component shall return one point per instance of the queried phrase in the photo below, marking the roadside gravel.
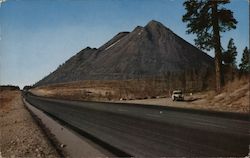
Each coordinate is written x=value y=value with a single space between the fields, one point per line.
x=20 y=135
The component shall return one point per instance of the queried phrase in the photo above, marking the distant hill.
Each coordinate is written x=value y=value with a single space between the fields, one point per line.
x=8 y=87
x=150 y=51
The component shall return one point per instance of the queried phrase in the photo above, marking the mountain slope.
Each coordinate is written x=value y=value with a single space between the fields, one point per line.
x=149 y=51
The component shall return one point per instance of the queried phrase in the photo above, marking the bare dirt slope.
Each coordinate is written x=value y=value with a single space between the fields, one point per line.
x=20 y=135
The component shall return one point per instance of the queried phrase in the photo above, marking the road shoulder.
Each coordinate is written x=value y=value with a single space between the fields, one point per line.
x=20 y=135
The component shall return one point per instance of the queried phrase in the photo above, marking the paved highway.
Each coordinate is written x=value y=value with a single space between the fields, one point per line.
x=149 y=131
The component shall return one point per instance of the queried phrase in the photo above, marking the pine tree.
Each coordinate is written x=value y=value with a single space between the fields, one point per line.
x=245 y=61
x=229 y=56
x=207 y=19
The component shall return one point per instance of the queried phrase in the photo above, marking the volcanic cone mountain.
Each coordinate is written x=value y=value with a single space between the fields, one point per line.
x=149 y=51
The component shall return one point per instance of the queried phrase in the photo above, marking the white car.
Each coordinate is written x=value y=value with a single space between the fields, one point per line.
x=177 y=95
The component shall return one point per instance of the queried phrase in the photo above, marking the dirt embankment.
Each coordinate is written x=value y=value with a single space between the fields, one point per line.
x=107 y=90
x=20 y=135
x=233 y=98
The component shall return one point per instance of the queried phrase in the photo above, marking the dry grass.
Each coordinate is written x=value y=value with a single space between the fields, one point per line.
x=106 y=90
x=234 y=97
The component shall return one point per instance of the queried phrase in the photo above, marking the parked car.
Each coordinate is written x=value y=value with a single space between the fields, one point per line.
x=177 y=95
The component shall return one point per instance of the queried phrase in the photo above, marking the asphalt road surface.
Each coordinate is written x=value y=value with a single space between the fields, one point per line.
x=146 y=131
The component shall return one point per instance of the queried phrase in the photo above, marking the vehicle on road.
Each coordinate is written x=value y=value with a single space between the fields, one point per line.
x=177 y=95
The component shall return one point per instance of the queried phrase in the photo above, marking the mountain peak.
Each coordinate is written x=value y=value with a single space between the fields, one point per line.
x=154 y=23
x=153 y=50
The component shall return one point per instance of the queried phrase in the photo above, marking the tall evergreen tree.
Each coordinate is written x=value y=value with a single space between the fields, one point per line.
x=245 y=61
x=229 y=56
x=207 y=19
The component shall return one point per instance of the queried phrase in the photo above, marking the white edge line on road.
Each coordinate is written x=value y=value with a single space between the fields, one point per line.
x=152 y=115
x=122 y=110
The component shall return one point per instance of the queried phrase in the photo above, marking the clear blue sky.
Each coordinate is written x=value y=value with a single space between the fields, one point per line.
x=38 y=35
